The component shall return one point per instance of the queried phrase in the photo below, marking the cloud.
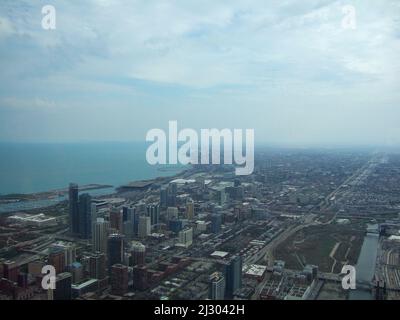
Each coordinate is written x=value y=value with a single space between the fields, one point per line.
x=266 y=57
x=35 y=103
x=6 y=28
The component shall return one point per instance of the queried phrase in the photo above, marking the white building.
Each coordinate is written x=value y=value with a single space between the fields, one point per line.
x=186 y=237
x=100 y=235
x=36 y=220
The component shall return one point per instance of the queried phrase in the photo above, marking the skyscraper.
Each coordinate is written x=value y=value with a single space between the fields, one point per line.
x=138 y=253
x=216 y=222
x=69 y=250
x=125 y=213
x=73 y=209
x=119 y=279
x=85 y=216
x=171 y=194
x=153 y=211
x=190 y=209
x=136 y=216
x=140 y=277
x=115 y=249
x=97 y=265
x=129 y=221
x=99 y=235
x=57 y=259
x=93 y=212
x=144 y=226
x=233 y=275
x=163 y=197
x=116 y=220
x=217 y=286
x=63 y=289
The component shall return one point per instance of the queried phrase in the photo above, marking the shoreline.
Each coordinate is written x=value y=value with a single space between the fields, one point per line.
x=47 y=195
x=59 y=195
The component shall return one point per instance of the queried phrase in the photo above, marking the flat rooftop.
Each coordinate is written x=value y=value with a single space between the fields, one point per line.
x=219 y=254
x=255 y=270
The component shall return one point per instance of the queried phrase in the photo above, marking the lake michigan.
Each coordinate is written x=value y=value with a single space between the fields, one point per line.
x=36 y=167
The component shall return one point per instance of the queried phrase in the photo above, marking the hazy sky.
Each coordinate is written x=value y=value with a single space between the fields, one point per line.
x=113 y=70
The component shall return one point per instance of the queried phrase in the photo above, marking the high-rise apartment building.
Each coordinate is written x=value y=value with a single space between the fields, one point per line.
x=100 y=235
x=144 y=226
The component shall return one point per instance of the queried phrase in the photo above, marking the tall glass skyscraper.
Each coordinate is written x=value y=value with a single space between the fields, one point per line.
x=233 y=276
x=85 y=216
x=73 y=209
x=115 y=249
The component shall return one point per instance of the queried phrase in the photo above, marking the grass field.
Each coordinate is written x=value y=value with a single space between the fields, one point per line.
x=313 y=245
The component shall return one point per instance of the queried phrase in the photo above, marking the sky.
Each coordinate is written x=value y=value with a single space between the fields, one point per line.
x=114 y=69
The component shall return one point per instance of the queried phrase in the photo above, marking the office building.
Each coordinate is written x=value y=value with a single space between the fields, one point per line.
x=80 y=212
x=144 y=226
x=153 y=211
x=125 y=213
x=135 y=221
x=138 y=253
x=85 y=216
x=186 y=237
x=171 y=194
x=97 y=265
x=63 y=289
x=140 y=277
x=116 y=220
x=176 y=225
x=115 y=246
x=163 y=197
x=129 y=221
x=69 y=250
x=190 y=209
x=57 y=259
x=93 y=212
x=233 y=275
x=216 y=222
x=100 y=235
x=217 y=286
x=73 y=207
x=119 y=279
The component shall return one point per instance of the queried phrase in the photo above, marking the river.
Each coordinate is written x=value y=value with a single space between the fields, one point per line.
x=365 y=268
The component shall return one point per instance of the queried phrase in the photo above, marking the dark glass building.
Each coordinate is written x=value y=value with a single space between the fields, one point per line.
x=115 y=250
x=85 y=216
x=73 y=209
x=233 y=276
x=63 y=289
